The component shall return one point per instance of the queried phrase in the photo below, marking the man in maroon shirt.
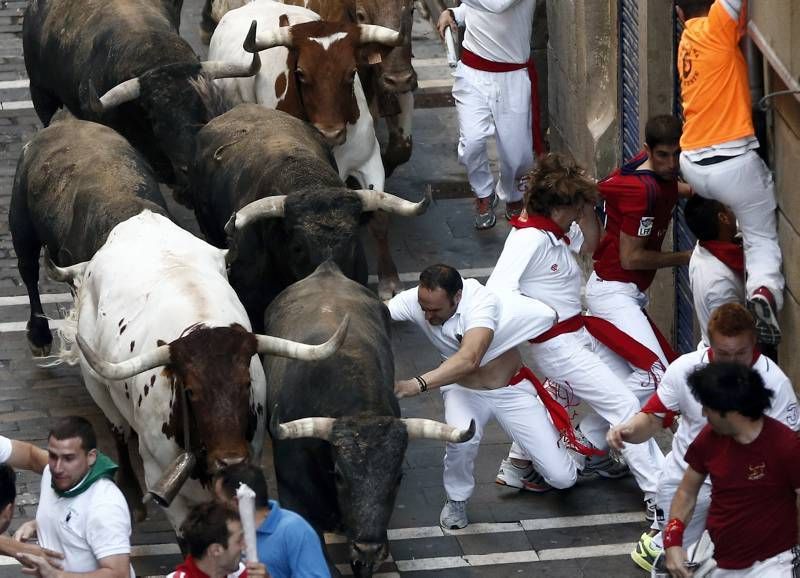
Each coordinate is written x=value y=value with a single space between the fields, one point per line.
x=754 y=464
x=639 y=198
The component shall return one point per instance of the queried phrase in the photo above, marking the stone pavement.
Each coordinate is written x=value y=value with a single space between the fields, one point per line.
x=585 y=531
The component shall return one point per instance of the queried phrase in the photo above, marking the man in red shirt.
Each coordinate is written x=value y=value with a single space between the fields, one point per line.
x=214 y=539
x=639 y=198
x=754 y=464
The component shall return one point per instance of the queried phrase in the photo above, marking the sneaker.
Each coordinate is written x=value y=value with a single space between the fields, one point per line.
x=535 y=482
x=521 y=478
x=511 y=475
x=651 y=509
x=645 y=553
x=513 y=209
x=485 y=217
x=605 y=466
x=454 y=515
x=762 y=305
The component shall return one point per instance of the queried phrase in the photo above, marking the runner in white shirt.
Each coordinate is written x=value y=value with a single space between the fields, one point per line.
x=81 y=511
x=732 y=332
x=716 y=269
x=538 y=260
x=492 y=91
x=482 y=376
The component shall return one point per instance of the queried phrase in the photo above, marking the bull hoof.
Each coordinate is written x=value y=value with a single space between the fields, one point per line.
x=388 y=287
x=40 y=340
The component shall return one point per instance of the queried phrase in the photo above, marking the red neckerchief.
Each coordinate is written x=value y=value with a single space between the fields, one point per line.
x=732 y=254
x=526 y=221
x=756 y=355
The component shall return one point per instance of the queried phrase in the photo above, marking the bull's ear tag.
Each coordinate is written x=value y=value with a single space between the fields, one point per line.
x=374 y=58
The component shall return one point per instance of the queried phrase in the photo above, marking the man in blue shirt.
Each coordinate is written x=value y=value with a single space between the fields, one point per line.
x=287 y=545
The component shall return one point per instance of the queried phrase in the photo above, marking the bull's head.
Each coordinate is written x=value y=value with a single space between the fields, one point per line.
x=396 y=72
x=178 y=99
x=322 y=225
x=325 y=56
x=211 y=367
x=368 y=454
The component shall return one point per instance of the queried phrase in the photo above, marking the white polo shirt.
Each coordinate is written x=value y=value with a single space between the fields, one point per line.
x=514 y=320
x=5 y=449
x=536 y=264
x=675 y=395
x=91 y=526
x=497 y=30
x=713 y=284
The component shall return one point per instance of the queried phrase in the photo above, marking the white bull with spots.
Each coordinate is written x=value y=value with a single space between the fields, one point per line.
x=166 y=352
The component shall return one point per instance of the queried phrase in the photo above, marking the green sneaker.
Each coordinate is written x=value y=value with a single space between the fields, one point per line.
x=645 y=552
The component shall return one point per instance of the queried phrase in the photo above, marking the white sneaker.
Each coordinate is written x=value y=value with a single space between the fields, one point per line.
x=511 y=475
x=454 y=515
x=651 y=509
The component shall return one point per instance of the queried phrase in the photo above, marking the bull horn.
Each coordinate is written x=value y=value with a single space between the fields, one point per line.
x=435 y=430
x=124 y=369
x=281 y=36
x=63 y=274
x=266 y=208
x=122 y=93
x=380 y=35
x=217 y=69
x=378 y=200
x=269 y=345
x=307 y=427
x=171 y=481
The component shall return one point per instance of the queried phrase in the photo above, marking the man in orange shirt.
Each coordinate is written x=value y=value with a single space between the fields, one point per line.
x=719 y=158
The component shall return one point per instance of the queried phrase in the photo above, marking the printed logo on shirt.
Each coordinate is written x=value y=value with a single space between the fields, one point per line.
x=646 y=226
x=554 y=267
x=792 y=414
x=757 y=472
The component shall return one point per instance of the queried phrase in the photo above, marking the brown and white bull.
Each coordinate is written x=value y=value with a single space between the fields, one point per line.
x=166 y=350
x=309 y=69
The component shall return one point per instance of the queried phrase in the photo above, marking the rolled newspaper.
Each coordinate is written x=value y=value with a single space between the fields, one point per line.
x=450 y=44
x=247 y=514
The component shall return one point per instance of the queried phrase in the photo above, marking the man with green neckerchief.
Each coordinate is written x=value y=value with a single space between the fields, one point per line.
x=81 y=511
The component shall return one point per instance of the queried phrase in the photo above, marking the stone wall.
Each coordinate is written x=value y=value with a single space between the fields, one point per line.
x=771 y=29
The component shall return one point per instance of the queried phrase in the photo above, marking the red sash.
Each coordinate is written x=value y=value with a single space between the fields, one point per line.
x=732 y=254
x=558 y=414
x=478 y=63
x=615 y=339
x=526 y=221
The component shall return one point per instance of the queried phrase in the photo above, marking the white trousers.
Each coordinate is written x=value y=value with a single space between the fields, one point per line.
x=783 y=565
x=745 y=184
x=499 y=104
x=668 y=482
x=578 y=364
x=520 y=413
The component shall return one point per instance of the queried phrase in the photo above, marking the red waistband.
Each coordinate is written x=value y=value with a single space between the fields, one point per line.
x=479 y=63
x=567 y=326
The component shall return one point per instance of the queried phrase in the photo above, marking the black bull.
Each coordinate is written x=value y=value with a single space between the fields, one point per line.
x=344 y=474
x=130 y=53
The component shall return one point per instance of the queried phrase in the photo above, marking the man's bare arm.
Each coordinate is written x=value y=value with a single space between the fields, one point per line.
x=467 y=359
x=591 y=229
x=683 y=504
x=636 y=430
x=633 y=256
x=117 y=566
x=26 y=456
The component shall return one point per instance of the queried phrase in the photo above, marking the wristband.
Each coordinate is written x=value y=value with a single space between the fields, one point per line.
x=673 y=533
x=423 y=385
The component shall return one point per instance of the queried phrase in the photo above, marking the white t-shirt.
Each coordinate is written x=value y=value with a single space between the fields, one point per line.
x=497 y=30
x=713 y=284
x=91 y=526
x=514 y=320
x=675 y=395
x=536 y=264
x=5 y=449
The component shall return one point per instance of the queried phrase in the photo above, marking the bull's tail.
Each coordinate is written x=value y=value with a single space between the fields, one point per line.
x=68 y=351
